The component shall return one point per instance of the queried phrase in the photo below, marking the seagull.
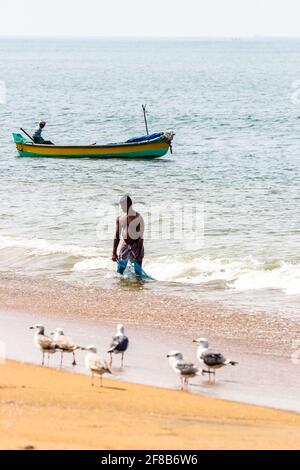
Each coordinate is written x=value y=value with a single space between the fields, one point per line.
x=210 y=360
x=42 y=342
x=119 y=344
x=64 y=344
x=187 y=370
x=95 y=364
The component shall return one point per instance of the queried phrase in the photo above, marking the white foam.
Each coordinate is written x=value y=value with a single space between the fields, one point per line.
x=38 y=246
x=93 y=264
x=200 y=270
x=240 y=274
x=286 y=277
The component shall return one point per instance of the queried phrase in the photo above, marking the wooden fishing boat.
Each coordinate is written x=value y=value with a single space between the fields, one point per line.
x=150 y=146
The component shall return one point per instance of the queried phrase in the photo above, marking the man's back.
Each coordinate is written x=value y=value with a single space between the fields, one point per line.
x=37 y=135
x=131 y=226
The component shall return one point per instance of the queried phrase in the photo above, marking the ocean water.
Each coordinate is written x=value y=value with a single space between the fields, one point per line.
x=235 y=107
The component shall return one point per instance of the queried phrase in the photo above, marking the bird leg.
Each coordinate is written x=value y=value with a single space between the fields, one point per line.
x=206 y=372
x=101 y=381
x=43 y=361
x=110 y=359
x=48 y=359
x=213 y=374
x=61 y=358
x=182 y=383
x=74 y=360
x=92 y=379
x=122 y=360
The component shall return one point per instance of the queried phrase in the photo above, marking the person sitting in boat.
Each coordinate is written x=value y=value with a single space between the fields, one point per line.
x=37 y=135
x=130 y=231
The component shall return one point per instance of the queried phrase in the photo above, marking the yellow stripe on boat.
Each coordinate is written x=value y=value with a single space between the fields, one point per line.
x=153 y=149
x=93 y=150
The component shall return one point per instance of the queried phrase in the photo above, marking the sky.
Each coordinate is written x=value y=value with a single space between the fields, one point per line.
x=153 y=18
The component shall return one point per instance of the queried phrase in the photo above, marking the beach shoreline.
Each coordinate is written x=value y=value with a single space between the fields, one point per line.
x=134 y=304
x=155 y=324
x=43 y=408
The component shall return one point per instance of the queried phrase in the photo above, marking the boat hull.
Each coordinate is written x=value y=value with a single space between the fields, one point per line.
x=137 y=150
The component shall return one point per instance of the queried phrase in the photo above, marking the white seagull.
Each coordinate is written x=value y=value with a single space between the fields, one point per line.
x=64 y=344
x=209 y=360
x=42 y=342
x=119 y=344
x=187 y=370
x=95 y=364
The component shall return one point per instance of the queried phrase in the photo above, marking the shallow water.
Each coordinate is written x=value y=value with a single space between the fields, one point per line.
x=236 y=158
x=236 y=279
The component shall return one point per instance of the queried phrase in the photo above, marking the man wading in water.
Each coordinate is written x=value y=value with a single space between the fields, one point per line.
x=130 y=231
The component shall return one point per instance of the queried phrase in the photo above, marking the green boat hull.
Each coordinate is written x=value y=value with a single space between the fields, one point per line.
x=144 y=154
x=145 y=149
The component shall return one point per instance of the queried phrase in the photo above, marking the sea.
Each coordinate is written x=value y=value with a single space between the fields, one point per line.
x=234 y=172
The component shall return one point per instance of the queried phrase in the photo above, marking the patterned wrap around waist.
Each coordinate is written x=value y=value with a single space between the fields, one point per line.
x=128 y=252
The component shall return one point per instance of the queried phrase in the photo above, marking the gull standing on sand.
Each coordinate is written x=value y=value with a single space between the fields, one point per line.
x=210 y=360
x=43 y=343
x=65 y=344
x=119 y=344
x=95 y=364
x=187 y=370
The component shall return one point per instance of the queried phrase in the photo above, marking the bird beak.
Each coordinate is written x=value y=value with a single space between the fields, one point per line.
x=31 y=327
x=194 y=341
x=52 y=333
x=168 y=355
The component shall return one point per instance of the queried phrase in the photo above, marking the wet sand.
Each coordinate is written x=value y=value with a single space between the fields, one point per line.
x=133 y=304
x=262 y=344
x=42 y=408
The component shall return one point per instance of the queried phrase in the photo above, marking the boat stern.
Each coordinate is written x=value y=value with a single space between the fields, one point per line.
x=18 y=138
x=19 y=141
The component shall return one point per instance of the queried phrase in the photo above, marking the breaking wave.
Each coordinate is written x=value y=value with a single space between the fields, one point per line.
x=239 y=274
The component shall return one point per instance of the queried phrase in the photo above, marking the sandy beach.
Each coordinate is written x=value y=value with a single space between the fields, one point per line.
x=46 y=408
x=156 y=324
x=43 y=408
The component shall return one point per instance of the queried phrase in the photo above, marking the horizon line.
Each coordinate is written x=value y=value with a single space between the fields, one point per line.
x=70 y=36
